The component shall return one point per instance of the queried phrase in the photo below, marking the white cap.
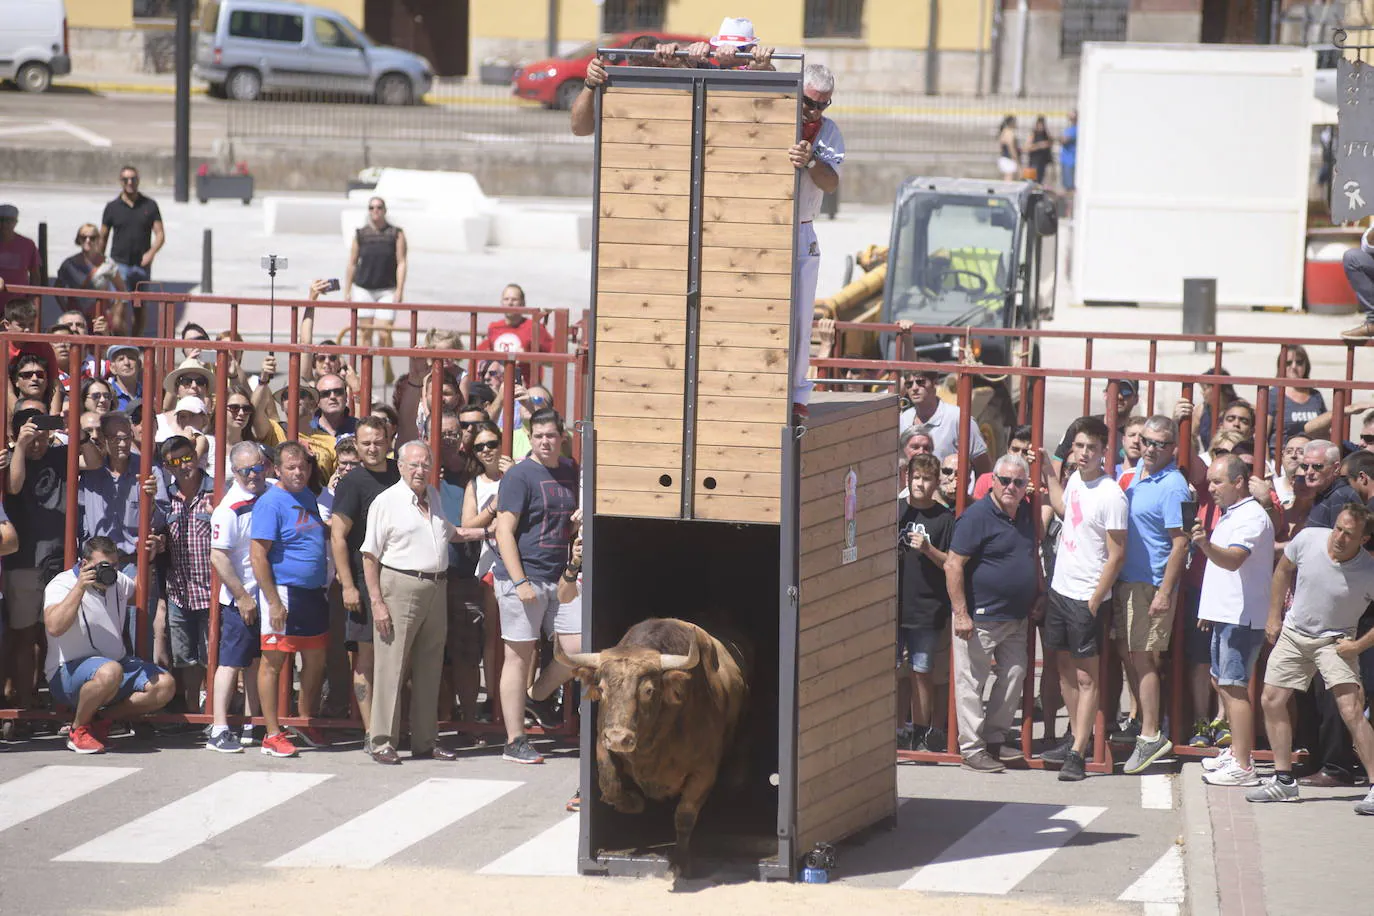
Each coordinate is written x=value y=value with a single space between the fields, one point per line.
x=191 y=404
x=735 y=33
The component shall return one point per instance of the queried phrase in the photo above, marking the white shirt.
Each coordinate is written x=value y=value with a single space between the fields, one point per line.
x=828 y=148
x=1240 y=596
x=230 y=524
x=1090 y=511
x=944 y=430
x=97 y=631
x=399 y=535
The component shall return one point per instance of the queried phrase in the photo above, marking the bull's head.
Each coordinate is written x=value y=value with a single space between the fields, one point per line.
x=632 y=685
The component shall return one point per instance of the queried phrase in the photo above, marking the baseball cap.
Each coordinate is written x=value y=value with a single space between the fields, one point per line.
x=1126 y=387
x=120 y=348
x=9 y=211
x=191 y=404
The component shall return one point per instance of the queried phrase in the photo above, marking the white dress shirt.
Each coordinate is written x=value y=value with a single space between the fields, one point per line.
x=401 y=537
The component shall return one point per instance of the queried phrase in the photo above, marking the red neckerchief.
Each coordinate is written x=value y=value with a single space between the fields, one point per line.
x=810 y=129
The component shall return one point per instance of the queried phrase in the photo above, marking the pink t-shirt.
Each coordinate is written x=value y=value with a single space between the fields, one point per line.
x=18 y=256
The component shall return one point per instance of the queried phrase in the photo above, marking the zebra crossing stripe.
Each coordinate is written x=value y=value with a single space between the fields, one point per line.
x=50 y=787
x=1162 y=883
x=397 y=823
x=552 y=853
x=193 y=819
x=1003 y=850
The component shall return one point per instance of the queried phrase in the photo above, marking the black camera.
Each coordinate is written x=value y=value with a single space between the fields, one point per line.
x=106 y=574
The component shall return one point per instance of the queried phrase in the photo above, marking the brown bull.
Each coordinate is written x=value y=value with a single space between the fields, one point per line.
x=671 y=698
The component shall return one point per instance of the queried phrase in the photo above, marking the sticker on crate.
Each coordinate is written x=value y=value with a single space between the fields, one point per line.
x=850 y=553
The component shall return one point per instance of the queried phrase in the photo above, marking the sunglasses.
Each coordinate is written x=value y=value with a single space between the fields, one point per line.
x=485 y=445
x=181 y=462
x=33 y=373
x=537 y=401
x=1147 y=442
x=1312 y=467
x=815 y=105
x=469 y=424
x=238 y=408
x=1017 y=482
x=89 y=238
x=251 y=469
x=333 y=392
x=1367 y=439
x=195 y=380
x=1218 y=452
x=948 y=472
x=99 y=396
x=920 y=381
x=129 y=179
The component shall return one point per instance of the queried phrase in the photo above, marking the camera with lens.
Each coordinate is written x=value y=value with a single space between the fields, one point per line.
x=106 y=574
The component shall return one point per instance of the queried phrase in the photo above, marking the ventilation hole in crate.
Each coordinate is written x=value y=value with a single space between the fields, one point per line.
x=709 y=483
x=665 y=481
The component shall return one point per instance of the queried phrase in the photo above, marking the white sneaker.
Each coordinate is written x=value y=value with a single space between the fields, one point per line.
x=1233 y=774
x=1366 y=804
x=1220 y=761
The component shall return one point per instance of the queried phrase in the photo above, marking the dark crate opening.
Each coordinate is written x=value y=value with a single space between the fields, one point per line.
x=711 y=574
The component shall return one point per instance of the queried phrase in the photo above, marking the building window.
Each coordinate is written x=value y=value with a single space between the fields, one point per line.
x=1091 y=20
x=632 y=15
x=834 y=19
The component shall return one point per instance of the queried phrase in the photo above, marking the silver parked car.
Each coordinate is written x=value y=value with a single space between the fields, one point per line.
x=248 y=47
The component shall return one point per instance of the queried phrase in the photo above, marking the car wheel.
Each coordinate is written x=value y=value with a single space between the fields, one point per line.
x=394 y=89
x=216 y=91
x=34 y=77
x=567 y=94
x=243 y=85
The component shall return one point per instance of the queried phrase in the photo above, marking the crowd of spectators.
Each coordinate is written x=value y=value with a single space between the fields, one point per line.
x=1250 y=555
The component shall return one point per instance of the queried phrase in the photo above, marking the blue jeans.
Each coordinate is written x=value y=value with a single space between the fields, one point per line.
x=69 y=678
x=132 y=275
x=1359 y=270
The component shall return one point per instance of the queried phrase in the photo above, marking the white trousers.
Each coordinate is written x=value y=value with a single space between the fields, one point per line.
x=808 y=266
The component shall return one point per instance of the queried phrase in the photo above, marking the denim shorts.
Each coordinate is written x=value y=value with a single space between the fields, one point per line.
x=917 y=646
x=189 y=632
x=66 y=683
x=1235 y=648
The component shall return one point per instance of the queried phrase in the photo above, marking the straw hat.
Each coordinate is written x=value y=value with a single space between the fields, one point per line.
x=189 y=366
x=735 y=33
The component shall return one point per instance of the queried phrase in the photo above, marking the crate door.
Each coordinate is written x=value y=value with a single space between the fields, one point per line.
x=639 y=358
x=746 y=289
x=847 y=619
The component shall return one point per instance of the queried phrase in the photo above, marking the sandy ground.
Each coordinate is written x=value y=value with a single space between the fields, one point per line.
x=415 y=891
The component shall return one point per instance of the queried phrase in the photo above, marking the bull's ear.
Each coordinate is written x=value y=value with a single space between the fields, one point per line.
x=675 y=686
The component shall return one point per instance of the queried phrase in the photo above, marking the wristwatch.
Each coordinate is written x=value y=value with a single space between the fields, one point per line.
x=812 y=163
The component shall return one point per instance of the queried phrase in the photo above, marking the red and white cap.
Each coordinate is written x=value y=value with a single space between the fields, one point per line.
x=735 y=33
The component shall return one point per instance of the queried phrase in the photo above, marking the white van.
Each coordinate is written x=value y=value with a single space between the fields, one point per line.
x=33 y=42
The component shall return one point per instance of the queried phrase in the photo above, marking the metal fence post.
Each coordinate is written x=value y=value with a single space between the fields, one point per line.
x=207 y=259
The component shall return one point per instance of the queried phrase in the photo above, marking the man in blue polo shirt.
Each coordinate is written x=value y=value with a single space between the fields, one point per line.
x=992 y=572
x=1156 y=546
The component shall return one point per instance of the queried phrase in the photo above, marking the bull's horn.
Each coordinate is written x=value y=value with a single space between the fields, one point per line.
x=577 y=659
x=681 y=662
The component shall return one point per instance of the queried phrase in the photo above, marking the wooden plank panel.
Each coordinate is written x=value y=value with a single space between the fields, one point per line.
x=753 y=260
x=729 y=133
x=841 y=678
x=839 y=803
x=831 y=531
x=640 y=130
x=853 y=722
x=659 y=381
x=669 y=157
x=865 y=569
x=642 y=356
x=818 y=611
x=643 y=206
x=740 y=457
x=829 y=428
x=642 y=257
x=747 y=285
x=851 y=821
x=637 y=454
x=728 y=210
x=656 y=106
x=726 y=432
x=773 y=108
x=651 y=282
x=631 y=305
x=751 y=410
x=738 y=483
x=817 y=485
x=645 y=181
x=639 y=429
x=856 y=650
x=745 y=187
x=853 y=451
x=740 y=359
x=818 y=789
x=641 y=330
x=876 y=493
x=861 y=694
x=638 y=503
x=736 y=235
x=739 y=334
x=760 y=160
x=737 y=508
x=639 y=404
x=742 y=384
x=642 y=231
x=645 y=480
x=834 y=755
x=748 y=311
x=857 y=619
x=828 y=558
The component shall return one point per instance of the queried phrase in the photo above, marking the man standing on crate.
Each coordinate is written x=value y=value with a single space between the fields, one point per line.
x=819 y=155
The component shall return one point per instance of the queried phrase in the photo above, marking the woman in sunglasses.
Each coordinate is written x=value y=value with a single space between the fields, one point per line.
x=238 y=421
x=479 y=511
x=1301 y=404
x=87 y=269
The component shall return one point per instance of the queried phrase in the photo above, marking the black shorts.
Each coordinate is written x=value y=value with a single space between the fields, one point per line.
x=1071 y=627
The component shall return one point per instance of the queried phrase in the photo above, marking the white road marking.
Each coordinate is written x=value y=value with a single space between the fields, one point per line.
x=50 y=787
x=1003 y=850
x=1162 y=883
x=1157 y=792
x=550 y=854
x=377 y=835
x=81 y=133
x=195 y=818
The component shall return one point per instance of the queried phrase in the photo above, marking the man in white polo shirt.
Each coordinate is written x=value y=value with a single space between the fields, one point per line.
x=1235 y=601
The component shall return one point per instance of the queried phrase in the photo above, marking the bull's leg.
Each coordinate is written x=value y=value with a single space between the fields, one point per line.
x=695 y=791
x=616 y=790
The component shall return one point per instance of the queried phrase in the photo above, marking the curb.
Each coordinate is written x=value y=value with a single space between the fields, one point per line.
x=1199 y=851
x=124 y=88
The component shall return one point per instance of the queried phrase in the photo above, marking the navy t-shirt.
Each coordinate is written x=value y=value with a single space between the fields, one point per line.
x=921 y=582
x=1001 y=578
x=544 y=499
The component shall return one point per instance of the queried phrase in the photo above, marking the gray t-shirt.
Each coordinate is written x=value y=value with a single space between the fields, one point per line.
x=1329 y=597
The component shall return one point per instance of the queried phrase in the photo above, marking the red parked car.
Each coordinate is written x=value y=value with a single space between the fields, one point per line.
x=556 y=81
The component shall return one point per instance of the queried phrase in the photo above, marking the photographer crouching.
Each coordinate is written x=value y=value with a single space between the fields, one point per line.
x=87 y=666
